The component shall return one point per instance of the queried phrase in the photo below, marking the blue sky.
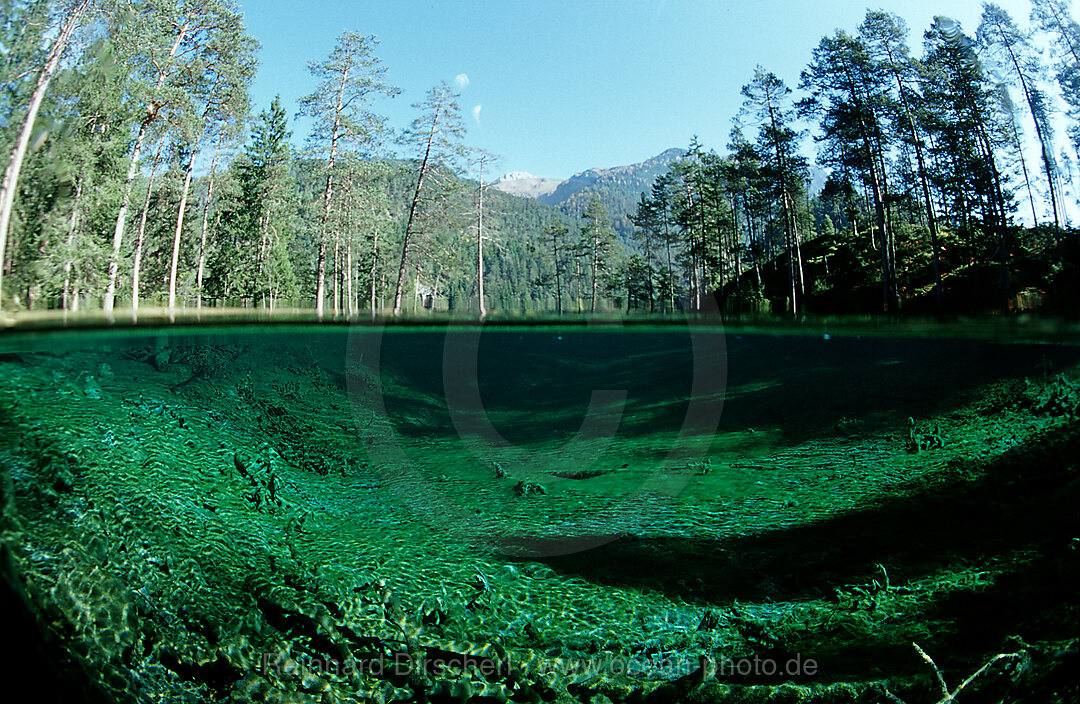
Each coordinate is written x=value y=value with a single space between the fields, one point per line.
x=558 y=86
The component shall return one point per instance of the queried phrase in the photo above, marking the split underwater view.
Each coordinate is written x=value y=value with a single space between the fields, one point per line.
x=542 y=511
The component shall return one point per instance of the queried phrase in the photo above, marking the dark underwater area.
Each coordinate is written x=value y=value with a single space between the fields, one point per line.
x=546 y=512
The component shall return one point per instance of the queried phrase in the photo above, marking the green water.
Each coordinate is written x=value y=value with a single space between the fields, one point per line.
x=554 y=511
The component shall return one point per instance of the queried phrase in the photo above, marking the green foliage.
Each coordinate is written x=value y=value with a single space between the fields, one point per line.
x=1004 y=43
x=258 y=218
x=1054 y=20
x=1057 y=397
x=340 y=107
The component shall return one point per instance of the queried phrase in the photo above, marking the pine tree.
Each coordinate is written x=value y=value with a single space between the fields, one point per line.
x=646 y=219
x=662 y=203
x=340 y=108
x=481 y=158
x=1054 y=19
x=435 y=137
x=850 y=93
x=556 y=235
x=885 y=36
x=219 y=95
x=959 y=116
x=1001 y=38
x=66 y=26
x=768 y=102
x=164 y=45
x=260 y=222
x=597 y=241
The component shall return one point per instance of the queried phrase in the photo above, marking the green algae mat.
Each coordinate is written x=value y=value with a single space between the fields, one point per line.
x=528 y=513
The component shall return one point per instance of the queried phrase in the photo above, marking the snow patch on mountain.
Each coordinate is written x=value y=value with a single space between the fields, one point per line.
x=522 y=183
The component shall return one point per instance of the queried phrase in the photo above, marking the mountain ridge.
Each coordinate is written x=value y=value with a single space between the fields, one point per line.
x=618 y=187
x=554 y=191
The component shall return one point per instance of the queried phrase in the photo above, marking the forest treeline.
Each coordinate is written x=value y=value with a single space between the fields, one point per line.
x=139 y=173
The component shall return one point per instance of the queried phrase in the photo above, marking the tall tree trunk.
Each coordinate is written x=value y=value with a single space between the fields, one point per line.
x=928 y=204
x=593 y=267
x=271 y=240
x=180 y=213
x=205 y=216
x=649 y=259
x=10 y=185
x=414 y=212
x=1023 y=169
x=883 y=235
x=141 y=237
x=790 y=246
x=345 y=276
x=670 y=274
x=121 y=217
x=796 y=233
x=788 y=206
x=129 y=180
x=335 y=276
x=558 y=278
x=872 y=152
x=1048 y=166
x=73 y=225
x=350 y=307
x=480 y=244
x=720 y=259
x=328 y=193
x=1001 y=213
x=931 y=217
x=924 y=181
x=258 y=292
x=577 y=282
x=184 y=195
x=374 y=268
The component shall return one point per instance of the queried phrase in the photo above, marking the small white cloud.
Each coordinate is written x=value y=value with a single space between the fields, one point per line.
x=476 y=113
x=461 y=80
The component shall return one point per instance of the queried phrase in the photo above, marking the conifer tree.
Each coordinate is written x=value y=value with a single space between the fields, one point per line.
x=768 y=102
x=341 y=111
x=597 y=240
x=435 y=137
x=219 y=95
x=1001 y=38
x=885 y=36
x=1053 y=17
x=646 y=219
x=261 y=221
x=67 y=23
x=850 y=93
x=556 y=235
x=164 y=44
x=959 y=116
x=481 y=158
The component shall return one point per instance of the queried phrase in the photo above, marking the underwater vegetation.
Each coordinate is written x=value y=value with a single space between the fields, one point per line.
x=278 y=517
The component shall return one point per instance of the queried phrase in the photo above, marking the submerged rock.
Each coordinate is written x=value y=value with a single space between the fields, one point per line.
x=525 y=488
